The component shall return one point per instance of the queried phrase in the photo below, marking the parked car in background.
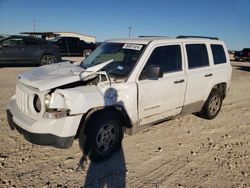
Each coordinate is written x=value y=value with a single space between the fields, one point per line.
x=243 y=55
x=73 y=46
x=28 y=50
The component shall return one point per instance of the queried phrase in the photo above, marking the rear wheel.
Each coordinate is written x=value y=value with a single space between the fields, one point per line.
x=212 y=106
x=47 y=60
x=102 y=136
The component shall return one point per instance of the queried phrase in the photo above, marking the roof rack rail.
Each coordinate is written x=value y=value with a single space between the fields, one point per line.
x=204 y=37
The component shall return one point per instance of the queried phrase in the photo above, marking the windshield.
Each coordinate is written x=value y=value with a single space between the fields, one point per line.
x=124 y=57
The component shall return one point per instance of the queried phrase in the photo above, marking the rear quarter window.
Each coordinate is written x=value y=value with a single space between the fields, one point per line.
x=219 y=55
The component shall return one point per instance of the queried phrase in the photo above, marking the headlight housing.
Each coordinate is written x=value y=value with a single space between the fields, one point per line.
x=47 y=100
x=55 y=106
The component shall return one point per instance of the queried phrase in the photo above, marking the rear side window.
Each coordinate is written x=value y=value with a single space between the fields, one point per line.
x=167 y=57
x=218 y=54
x=197 y=55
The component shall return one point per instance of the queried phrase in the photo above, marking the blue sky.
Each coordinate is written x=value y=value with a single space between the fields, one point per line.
x=227 y=19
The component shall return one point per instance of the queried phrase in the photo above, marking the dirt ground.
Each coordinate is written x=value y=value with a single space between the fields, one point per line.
x=185 y=152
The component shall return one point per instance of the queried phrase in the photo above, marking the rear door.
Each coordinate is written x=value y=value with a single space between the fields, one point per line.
x=199 y=74
x=162 y=97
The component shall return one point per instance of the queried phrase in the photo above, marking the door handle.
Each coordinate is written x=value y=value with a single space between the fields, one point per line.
x=179 y=81
x=208 y=75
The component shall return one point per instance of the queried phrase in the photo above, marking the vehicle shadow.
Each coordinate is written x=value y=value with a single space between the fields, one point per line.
x=110 y=173
x=244 y=68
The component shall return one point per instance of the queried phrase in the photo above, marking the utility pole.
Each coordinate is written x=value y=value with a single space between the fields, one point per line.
x=129 y=31
x=34 y=25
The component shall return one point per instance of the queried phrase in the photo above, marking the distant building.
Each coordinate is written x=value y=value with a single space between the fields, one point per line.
x=50 y=35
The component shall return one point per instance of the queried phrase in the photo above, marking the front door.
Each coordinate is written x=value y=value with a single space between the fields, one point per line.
x=163 y=97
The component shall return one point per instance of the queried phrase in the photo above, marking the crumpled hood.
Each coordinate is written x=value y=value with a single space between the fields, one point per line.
x=51 y=76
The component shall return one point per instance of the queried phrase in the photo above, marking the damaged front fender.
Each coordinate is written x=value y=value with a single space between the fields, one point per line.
x=78 y=100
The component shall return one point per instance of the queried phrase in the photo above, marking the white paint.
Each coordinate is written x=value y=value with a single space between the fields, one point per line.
x=145 y=101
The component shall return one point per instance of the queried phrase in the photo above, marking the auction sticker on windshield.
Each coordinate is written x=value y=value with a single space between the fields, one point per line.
x=132 y=46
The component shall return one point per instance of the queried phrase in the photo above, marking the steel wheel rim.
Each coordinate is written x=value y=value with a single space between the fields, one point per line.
x=46 y=60
x=106 y=136
x=214 y=105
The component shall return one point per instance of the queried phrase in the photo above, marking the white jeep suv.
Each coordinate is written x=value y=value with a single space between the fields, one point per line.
x=123 y=86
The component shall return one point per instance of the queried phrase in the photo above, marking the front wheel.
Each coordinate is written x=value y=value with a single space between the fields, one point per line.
x=47 y=60
x=212 y=106
x=102 y=136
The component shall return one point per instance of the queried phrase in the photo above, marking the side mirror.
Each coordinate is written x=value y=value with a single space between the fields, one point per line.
x=153 y=72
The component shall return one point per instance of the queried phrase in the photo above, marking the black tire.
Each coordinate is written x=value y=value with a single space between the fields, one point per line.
x=86 y=53
x=101 y=136
x=212 y=105
x=47 y=60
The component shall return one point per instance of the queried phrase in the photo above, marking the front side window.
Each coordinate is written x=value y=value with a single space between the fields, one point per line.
x=219 y=55
x=124 y=56
x=168 y=58
x=197 y=55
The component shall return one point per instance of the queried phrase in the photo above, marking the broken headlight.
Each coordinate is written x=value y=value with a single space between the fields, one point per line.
x=55 y=106
x=47 y=100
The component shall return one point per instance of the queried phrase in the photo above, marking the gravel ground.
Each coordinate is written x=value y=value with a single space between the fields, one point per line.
x=184 y=152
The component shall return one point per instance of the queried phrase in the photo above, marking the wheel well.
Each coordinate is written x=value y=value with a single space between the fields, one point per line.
x=119 y=110
x=222 y=88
